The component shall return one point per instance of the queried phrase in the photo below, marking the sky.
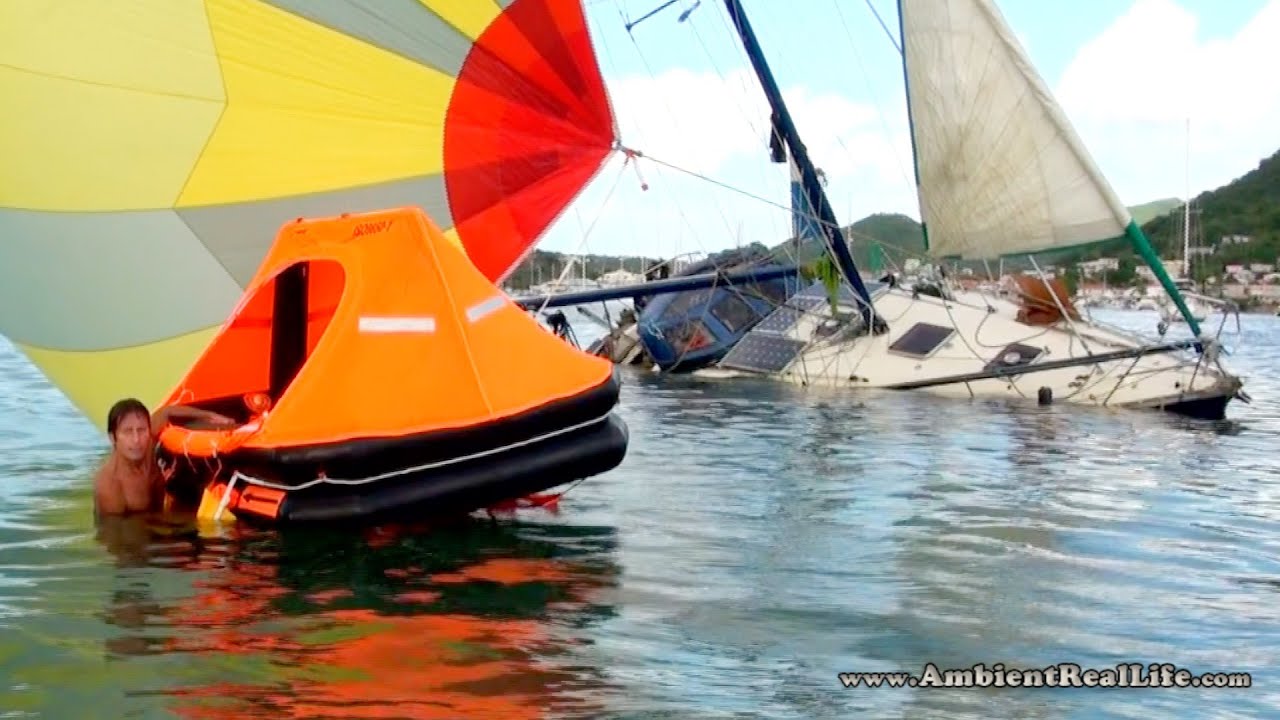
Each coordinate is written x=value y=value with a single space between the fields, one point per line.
x=1128 y=73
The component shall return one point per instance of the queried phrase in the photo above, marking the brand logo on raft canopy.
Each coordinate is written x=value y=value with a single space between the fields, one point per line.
x=370 y=228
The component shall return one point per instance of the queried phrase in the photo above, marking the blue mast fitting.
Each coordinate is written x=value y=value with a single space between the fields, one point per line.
x=804 y=221
x=817 y=197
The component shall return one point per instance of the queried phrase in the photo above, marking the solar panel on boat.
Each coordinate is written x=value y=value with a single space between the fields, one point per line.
x=782 y=319
x=762 y=353
x=921 y=340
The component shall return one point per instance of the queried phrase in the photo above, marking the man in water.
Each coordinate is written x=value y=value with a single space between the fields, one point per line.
x=130 y=480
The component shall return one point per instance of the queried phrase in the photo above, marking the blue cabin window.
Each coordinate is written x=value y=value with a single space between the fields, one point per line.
x=734 y=312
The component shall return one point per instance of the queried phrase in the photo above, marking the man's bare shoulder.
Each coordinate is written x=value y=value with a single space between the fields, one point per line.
x=106 y=471
x=107 y=497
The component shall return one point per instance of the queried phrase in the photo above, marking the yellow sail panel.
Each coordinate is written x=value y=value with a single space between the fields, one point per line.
x=106 y=105
x=452 y=236
x=95 y=380
x=149 y=46
x=470 y=17
x=310 y=109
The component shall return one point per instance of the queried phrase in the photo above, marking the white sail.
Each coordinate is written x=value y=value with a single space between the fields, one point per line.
x=1001 y=170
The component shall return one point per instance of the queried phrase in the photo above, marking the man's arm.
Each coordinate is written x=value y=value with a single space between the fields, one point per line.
x=162 y=416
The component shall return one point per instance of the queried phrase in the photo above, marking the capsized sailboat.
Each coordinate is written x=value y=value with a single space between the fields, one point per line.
x=151 y=156
x=999 y=172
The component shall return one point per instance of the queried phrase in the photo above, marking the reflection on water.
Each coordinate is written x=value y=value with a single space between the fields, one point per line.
x=472 y=620
x=758 y=540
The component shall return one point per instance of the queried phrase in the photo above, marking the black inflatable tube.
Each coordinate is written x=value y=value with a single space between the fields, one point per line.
x=464 y=486
x=373 y=456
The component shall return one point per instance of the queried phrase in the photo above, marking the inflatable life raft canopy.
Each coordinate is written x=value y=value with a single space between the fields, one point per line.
x=368 y=348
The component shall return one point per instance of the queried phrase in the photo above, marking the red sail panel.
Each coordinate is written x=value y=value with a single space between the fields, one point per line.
x=529 y=124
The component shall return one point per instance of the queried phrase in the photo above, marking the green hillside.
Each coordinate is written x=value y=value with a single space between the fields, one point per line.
x=899 y=233
x=901 y=238
x=1249 y=205
x=1146 y=212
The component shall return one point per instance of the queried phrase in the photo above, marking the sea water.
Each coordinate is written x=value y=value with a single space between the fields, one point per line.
x=758 y=541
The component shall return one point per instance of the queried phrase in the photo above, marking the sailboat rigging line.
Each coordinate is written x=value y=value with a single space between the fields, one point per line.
x=675 y=123
x=947 y=304
x=1003 y=343
x=892 y=40
x=1119 y=382
x=586 y=234
x=722 y=184
x=650 y=14
x=755 y=131
x=866 y=77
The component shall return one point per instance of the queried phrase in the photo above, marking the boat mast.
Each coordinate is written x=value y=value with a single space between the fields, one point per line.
x=911 y=129
x=1148 y=254
x=817 y=197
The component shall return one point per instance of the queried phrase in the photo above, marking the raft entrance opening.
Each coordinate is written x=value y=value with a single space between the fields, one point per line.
x=270 y=339
x=304 y=296
x=288 y=328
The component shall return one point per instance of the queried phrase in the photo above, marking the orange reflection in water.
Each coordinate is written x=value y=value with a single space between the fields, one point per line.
x=472 y=621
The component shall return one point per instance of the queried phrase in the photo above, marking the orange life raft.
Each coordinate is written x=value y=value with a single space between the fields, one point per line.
x=374 y=372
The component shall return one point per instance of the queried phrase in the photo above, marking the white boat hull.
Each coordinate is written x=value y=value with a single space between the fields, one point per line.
x=982 y=327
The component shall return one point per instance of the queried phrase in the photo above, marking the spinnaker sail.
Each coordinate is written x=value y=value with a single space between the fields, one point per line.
x=153 y=148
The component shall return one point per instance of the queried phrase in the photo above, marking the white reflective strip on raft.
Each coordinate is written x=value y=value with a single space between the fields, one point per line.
x=481 y=309
x=397 y=324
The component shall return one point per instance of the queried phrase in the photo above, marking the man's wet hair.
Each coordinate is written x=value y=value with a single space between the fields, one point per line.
x=125 y=408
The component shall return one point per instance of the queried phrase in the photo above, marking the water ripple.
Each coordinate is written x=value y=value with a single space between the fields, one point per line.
x=758 y=540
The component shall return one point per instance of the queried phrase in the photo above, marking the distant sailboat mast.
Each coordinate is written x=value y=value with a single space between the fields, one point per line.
x=1000 y=169
x=1186 y=210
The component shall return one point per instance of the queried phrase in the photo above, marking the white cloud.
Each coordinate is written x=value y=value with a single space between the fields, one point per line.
x=696 y=119
x=1130 y=90
x=702 y=121
x=717 y=126
x=1127 y=92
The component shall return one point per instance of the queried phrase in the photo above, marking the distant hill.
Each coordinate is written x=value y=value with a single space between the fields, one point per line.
x=1146 y=212
x=889 y=229
x=1249 y=205
x=903 y=237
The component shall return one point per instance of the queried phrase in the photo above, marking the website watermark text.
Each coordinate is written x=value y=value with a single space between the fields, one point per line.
x=1123 y=675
